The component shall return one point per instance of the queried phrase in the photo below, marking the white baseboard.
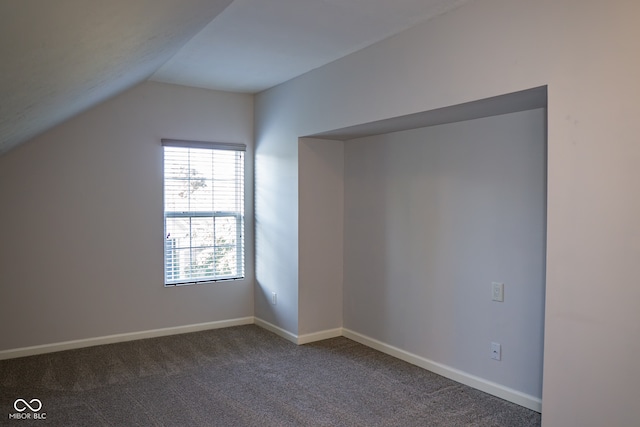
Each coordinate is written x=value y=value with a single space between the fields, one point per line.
x=276 y=330
x=298 y=339
x=506 y=393
x=131 y=336
x=319 y=336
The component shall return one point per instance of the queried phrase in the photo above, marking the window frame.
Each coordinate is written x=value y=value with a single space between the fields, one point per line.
x=239 y=246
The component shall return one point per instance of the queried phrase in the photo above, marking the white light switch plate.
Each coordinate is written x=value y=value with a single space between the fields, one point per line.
x=497 y=291
x=496 y=351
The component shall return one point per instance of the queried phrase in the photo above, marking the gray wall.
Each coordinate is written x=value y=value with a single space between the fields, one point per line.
x=81 y=252
x=586 y=54
x=321 y=209
x=432 y=217
x=276 y=206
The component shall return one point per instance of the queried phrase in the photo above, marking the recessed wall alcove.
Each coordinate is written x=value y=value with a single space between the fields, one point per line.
x=413 y=218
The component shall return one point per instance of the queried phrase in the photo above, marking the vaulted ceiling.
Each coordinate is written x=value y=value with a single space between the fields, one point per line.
x=61 y=57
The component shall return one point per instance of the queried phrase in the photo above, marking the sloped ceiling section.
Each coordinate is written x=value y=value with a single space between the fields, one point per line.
x=58 y=58
x=257 y=44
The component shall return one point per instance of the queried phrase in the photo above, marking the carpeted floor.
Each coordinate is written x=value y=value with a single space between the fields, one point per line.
x=242 y=376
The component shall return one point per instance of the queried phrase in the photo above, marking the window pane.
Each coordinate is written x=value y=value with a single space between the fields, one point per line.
x=176 y=195
x=178 y=230
x=176 y=162
x=201 y=232
x=180 y=267
x=202 y=197
x=226 y=231
x=226 y=264
x=203 y=265
x=202 y=163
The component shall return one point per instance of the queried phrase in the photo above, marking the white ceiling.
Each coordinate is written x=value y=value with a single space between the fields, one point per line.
x=256 y=44
x=61 y=57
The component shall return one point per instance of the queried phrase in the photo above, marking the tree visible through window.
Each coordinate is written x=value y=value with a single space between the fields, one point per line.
x=203 y=211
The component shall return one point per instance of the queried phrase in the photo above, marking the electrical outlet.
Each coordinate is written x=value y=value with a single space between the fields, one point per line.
x=496 y=351
x=497 y=291
x=274 y=298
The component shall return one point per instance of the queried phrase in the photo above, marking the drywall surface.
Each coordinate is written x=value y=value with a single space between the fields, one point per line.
x=433 y=216
x=276 y=207
x=321 y=222
x=62 y=58
x=586 y=54
x=82 y=214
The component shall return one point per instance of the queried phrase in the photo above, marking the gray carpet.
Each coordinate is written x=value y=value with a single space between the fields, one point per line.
x=243 y=376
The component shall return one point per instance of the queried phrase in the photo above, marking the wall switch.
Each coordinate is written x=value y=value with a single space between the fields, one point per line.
x=274 y=298
x=496 y=351
x=497 y=291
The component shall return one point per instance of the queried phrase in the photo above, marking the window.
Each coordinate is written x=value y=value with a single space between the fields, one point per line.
x=203 y=211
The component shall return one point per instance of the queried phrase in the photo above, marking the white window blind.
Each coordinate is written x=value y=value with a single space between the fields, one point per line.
x=203 y=211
